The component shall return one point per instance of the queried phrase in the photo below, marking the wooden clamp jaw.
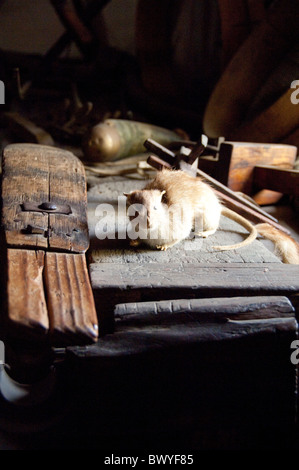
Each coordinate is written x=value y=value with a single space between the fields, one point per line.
x=237 y=165
x=262 y=171
x=48 y=296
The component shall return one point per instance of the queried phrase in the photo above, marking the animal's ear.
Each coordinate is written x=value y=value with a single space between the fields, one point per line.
x=129 y=194
x=162 y=193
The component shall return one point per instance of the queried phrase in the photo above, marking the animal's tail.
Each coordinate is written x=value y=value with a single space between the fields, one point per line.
x=285 y=247
x=242 y=221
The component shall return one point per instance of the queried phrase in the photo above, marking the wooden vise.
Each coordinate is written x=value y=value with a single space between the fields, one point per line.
x=262 y=171
x=48 y=300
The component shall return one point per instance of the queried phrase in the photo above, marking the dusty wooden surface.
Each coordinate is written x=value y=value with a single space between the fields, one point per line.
x=189 y=270
x=132 y=282
x=107 y=195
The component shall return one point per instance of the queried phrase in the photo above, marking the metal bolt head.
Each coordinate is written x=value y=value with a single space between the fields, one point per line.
x=49 y=206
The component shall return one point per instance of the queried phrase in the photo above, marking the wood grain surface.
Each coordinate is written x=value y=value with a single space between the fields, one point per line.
x=71 y=308
x=37 y=174
x=27 y=308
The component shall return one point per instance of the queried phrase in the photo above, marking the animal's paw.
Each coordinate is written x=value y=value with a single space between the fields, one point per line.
x=201 y=234
x=206 y=233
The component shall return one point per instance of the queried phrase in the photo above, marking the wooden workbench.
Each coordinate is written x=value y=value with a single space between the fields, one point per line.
x=194 y=348
x=190 y=269
x=193 y=351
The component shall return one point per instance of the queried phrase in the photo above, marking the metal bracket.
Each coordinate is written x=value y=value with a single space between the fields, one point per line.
x=47 y=207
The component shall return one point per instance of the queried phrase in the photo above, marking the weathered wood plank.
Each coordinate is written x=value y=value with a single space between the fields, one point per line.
x=26 y=304
x=251 y=277
x=67 y=184
x=152 y=338
x=25 y=179
x=146 y=327
x=192 y=320
x=215 y=310
x=35 y=175
x=114 y=283
x=49 y=298
x=72 y=313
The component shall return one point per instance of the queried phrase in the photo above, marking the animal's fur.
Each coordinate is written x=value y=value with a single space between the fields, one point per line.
x=186 y=199
x=285 y=247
